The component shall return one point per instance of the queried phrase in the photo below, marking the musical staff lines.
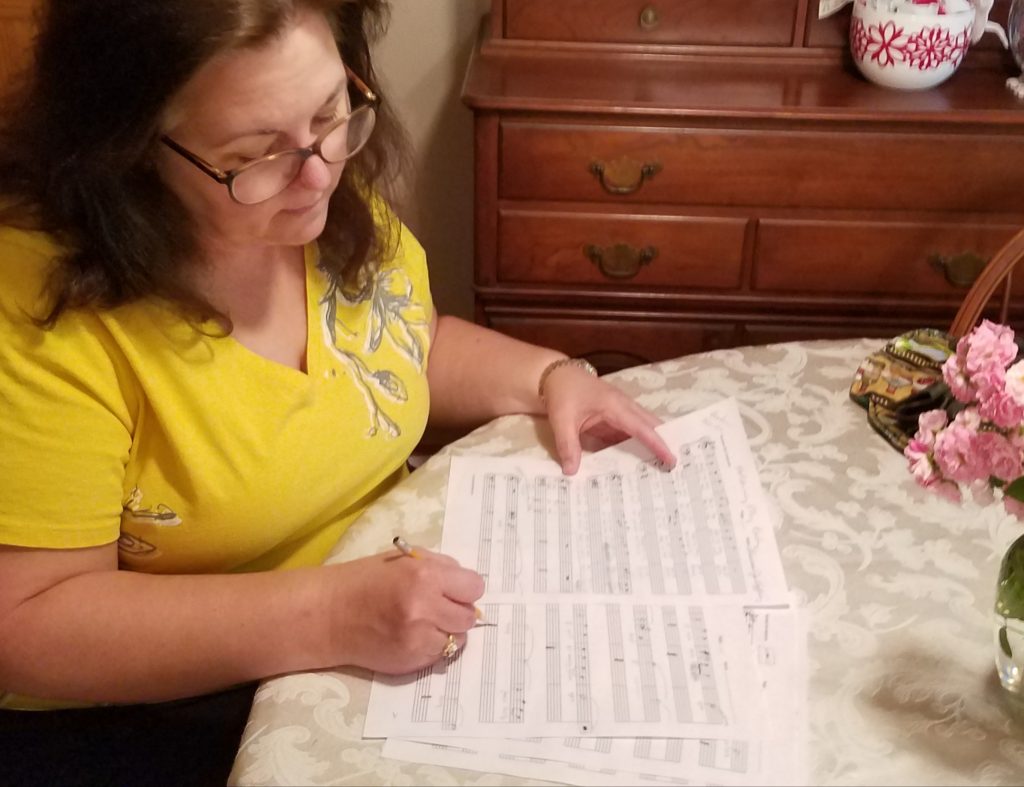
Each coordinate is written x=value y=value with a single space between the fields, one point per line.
x=645 y=664
x=600 y=669
x=566 y=572
x=620 y=533
x=725 y=755
x=683 y=528
x=489 y=666
x=510 y=534
x=595 y=583
x=581 y=665
x=725 y=521
x=596 y=542
x=617 y=654
x=420 y=710
x=553 y=661
x=660 y=749
x=541 y=487
x=677 y=550
x=517 y=673
x=704 y=668
x=652 y=526
x=452 y=687
x=649 y=532
x=676 y=664
x=486 y=534
x=714 y=534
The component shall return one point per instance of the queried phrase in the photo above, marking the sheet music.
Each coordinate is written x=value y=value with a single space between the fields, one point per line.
x=622 y=526
x=579 y=669
x=774 y=755
x=598 y=585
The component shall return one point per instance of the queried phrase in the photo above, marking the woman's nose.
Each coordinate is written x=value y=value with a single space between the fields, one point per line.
x=315 y=175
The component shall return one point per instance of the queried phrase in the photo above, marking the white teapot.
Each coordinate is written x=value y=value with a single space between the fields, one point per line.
x=916 y=44
x=982 y=25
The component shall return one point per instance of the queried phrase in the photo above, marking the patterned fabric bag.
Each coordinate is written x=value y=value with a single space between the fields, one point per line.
x=902 y=380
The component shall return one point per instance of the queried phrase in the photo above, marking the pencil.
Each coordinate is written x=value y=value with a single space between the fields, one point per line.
x=408 y=550
x=403 y=546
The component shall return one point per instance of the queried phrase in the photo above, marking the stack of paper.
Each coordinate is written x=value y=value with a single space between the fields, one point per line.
x=641 y=626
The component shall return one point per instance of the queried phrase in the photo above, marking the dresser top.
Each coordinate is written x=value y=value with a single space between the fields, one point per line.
x=652 y=85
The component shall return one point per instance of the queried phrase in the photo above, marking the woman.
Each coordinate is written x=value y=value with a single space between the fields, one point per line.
x=218 y=346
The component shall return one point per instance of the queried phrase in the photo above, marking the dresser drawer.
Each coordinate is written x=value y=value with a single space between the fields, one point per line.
x=881 y=328
x=771 y=168
x=627 y=250
x=613 y=340
x=871 y=258
x=737 y=22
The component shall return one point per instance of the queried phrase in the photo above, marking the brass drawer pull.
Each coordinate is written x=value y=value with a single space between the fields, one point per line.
x=960 y=270
x=623 y=176
x=649 y=18
x=620 y=261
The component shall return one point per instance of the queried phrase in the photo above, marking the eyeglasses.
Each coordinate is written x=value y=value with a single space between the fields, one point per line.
x=260 y=179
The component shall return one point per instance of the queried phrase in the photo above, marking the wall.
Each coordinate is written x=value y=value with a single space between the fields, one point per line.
x=422 y=61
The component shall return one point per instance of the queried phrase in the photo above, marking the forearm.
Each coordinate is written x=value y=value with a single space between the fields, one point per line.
x=477 y=374
x=122 y=636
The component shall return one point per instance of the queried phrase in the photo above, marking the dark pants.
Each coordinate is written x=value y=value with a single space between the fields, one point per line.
x=185 y=742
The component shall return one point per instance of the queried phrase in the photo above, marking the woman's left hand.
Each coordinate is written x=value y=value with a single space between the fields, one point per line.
x=578 y=403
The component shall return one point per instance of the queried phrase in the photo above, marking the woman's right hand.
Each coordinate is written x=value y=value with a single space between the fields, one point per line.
x=393 y=613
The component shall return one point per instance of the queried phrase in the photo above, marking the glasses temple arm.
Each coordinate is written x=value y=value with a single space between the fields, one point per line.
x=218 y=175
x=362 y=86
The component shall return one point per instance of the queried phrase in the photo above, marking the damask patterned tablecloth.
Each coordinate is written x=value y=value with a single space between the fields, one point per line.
x=898 y=584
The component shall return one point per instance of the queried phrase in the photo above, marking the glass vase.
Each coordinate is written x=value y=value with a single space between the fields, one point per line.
x=1009 y=620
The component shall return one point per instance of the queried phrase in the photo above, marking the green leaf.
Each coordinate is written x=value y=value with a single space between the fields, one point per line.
x=1015 y=489
x=1004 y=643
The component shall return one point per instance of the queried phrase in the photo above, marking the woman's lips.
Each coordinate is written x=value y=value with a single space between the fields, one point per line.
x=304 y=209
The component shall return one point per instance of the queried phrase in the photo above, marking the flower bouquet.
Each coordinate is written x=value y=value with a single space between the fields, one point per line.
x=981 y=450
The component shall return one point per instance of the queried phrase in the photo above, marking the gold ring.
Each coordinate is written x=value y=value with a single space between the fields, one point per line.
x=451 y=647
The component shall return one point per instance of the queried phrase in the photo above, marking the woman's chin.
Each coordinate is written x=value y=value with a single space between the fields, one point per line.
x=298 y=228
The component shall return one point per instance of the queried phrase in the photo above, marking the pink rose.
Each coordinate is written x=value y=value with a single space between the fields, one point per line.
x=988 y=381
x=989 y=345
x=1003 y=458
x=928 y=425
x=955 y=377
x=916 y=450
x=956 y=454
x=932 y=421
x=983 y=446
x=1001 y=409
x=927 y=475
x=1015 y=382
x=968 y=418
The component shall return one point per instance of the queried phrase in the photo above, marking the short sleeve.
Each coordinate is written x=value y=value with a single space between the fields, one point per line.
x=68 y=414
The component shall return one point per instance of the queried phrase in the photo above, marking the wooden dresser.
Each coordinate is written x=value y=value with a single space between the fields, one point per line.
x=17 y=27
x=659 y=177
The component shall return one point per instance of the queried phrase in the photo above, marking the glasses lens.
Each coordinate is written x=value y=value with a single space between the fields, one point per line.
x=266 y=178
x=349 y=136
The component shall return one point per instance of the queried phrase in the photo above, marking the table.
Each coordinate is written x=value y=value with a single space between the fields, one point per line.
x=899 y=586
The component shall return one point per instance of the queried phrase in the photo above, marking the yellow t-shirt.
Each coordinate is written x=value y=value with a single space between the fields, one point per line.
x=192 y=452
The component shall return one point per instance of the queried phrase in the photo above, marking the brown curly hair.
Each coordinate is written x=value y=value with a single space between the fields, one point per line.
x=79 y=136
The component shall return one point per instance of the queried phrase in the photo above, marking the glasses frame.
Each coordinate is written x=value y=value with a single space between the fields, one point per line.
x=227 y=177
